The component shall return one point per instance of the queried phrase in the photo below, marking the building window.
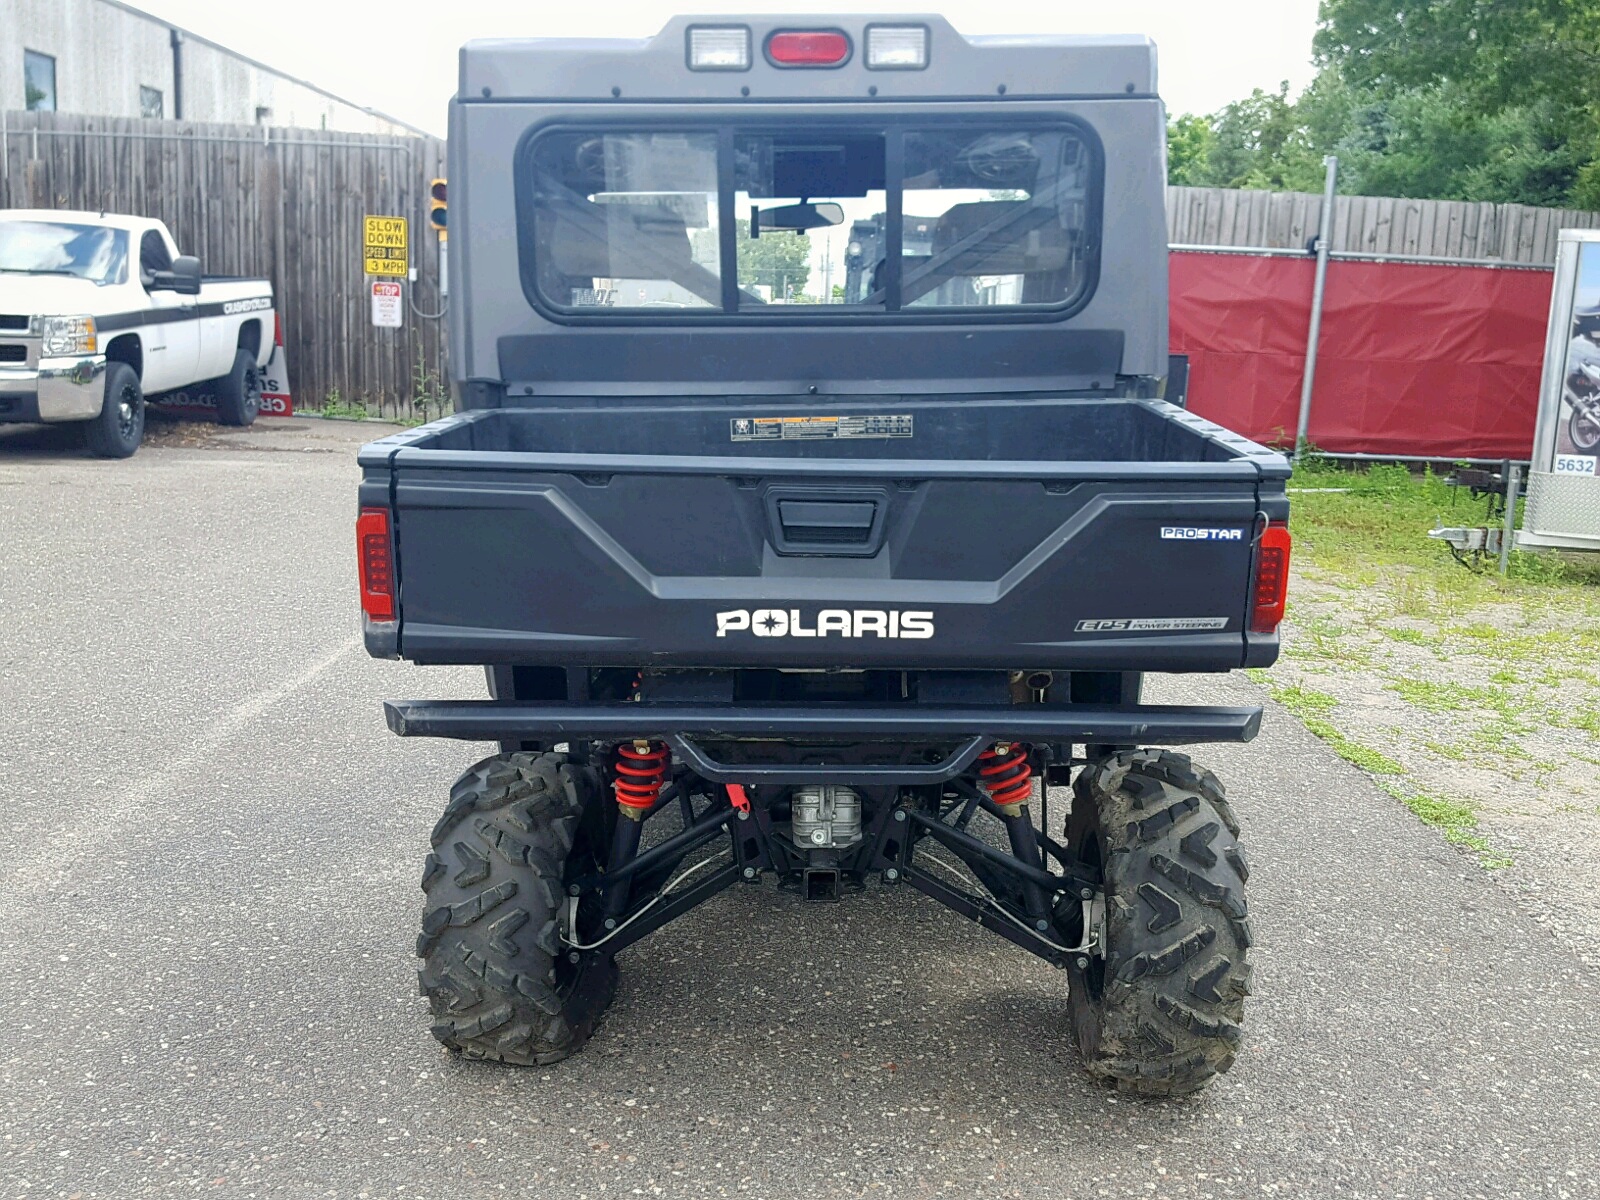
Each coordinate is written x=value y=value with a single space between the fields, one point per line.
x=151 y=103
x=38 y=81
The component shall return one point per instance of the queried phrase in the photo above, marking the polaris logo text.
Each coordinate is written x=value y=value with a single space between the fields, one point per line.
x=830 y=622
x=1183 y=533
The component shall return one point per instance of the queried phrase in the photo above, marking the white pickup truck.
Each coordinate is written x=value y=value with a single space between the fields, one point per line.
x=98 y=311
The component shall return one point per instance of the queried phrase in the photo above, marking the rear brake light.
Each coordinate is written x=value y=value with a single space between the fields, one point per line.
x=719 y=48
x=808 y=48
x=377 y=564
x=1272 y=580
x=897 y=47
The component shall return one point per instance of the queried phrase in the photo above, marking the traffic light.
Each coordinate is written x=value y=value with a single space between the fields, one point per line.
x=438 y=206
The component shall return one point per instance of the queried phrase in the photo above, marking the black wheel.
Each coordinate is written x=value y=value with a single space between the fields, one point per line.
x=118 y=430
x=239 y=391
x=1584 y=426
x=495 y=972
x=1158 y=1008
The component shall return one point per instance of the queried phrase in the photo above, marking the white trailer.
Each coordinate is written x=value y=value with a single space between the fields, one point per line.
x=1563 y=501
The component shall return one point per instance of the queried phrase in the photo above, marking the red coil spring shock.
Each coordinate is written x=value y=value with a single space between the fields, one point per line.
x=1004 y=772
x=641 y=774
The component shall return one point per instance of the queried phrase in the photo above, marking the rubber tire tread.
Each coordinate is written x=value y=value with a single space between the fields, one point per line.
x=490 y=941
x=103 y=434
x=1169 y=1017
x=234 y=406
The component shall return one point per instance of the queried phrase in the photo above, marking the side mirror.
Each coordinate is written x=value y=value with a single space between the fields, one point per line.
x=184 y=278
x=796 y=218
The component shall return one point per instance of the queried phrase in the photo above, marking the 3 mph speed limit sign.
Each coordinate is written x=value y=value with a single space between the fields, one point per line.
x=385 y=246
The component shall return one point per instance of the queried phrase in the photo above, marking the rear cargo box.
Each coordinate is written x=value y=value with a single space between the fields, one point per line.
x=1068 y=534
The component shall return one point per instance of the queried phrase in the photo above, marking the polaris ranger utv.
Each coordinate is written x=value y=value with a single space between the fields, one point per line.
x=812 y=507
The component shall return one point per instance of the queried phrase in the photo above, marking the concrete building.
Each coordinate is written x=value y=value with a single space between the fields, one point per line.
x=107 y=59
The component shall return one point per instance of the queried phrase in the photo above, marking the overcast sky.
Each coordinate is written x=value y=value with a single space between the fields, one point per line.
x=400 y=57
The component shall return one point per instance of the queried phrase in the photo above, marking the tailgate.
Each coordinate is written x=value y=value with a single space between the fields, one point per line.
x=1141 y=567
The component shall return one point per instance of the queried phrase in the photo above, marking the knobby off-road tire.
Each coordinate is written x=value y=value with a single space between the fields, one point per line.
x=1161 y=1014
x=494 y=971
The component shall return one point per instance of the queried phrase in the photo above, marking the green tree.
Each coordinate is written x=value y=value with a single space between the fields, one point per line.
x=1189 y=142
x=780 y=261
x=1265 y=140
x=1470 y=99
x=1443 y=99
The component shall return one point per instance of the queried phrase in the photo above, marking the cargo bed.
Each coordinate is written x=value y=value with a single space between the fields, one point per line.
x=1087 y=534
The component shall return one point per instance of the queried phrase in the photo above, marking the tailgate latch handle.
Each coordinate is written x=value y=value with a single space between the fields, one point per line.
x=826 y=522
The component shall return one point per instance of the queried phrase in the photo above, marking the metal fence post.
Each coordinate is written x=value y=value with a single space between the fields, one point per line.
x=1318 y=290
x=1509 y=533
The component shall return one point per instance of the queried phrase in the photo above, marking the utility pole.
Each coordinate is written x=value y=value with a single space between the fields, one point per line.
x=1318 y=290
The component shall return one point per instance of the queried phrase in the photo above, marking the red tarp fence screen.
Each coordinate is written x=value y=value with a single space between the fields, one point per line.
x=1416 y=359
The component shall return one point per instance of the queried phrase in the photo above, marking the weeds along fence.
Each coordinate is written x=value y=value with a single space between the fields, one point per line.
x=286 y=204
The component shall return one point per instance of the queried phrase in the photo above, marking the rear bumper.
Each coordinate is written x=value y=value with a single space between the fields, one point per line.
x=58 y=389
x=973 y=727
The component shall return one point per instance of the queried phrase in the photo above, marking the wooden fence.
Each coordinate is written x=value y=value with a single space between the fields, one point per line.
x=282 y=203
x=1512 y=233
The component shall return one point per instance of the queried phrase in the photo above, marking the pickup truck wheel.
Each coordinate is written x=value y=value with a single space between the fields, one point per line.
x=118 y=430
x=497 y=980
x=1160 y=1009
x=239 y=391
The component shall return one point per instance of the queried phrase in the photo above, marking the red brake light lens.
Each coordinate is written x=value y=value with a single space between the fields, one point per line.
x=808 y=48
x=377 y=564
x=1272 y=579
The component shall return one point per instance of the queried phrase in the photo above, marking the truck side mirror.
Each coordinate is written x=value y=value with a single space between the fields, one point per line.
x=183 y=278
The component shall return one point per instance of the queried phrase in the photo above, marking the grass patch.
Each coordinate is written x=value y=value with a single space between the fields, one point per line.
x=1313 y=708
x=1435 y=697
x=1430 y=696
x=1586 y=719
x=1381 y=522
x=1457 y=822
x=336 y=408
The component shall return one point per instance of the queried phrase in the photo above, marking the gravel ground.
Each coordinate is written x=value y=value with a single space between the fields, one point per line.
x=210 y=902
x=1493 y=709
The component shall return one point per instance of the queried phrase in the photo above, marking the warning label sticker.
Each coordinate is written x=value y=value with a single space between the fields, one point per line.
x=781 y=429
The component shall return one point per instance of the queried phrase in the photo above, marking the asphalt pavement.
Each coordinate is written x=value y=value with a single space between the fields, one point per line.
x=211 y=848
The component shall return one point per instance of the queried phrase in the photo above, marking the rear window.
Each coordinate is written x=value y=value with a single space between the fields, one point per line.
x=789 y=223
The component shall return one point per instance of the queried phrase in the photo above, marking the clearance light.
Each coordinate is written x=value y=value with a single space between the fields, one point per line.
x=808 y=48
x=897 y=47
x=719 y=48
x=1272 y=580
x=377 y=564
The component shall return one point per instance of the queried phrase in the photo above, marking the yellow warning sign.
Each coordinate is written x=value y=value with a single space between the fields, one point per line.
x=385 y=246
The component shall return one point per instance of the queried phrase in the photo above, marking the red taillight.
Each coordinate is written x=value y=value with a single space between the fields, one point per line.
x=1272 y=579
x=377 y=564
x=808 y=48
